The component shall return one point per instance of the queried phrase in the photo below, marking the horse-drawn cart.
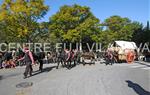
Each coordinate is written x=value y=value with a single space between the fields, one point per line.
x=125 y=51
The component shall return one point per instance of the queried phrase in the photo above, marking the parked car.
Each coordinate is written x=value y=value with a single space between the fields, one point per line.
x=88 y=57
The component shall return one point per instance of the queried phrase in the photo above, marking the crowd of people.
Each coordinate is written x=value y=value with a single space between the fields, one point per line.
x=7 y=60
x=67 y=58
x=11 y=59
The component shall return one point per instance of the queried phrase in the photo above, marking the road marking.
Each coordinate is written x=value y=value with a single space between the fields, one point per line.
x=127 y=65
x=146 y=68
x=123 y=64
x=137 y=66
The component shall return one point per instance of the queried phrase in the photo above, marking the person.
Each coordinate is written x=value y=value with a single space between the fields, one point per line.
x=19 y=55
x=78 y=57
x=68 y=58
x=49 y=57
x=28 y=59
x=115 y=56
x=130 y=56
x=60 y=58
x=74 y=56
x=1 y=56
x=109 y=57
x=41 y=59
x=8 y=60
x=13 y=61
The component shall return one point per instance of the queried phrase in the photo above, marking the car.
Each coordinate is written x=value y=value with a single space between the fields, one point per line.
x=88 y=57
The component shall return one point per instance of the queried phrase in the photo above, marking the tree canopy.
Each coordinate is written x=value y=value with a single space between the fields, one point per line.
x=74 y=23
x=119 y=28
x=18 y=18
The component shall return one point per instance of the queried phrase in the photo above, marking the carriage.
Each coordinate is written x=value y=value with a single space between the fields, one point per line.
x=123 y=49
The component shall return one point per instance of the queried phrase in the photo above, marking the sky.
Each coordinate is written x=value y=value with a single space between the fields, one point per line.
x=136 y=10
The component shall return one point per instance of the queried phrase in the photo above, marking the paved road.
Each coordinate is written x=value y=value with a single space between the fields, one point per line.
x=98 y=79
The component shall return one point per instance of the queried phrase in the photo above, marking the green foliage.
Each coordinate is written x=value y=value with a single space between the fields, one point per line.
x=18 y=22
x=118 y=28
x=115 y=23
x=19 y=17
x=74 y=23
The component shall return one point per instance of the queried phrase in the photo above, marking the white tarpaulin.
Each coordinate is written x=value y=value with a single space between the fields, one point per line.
x=126 y=44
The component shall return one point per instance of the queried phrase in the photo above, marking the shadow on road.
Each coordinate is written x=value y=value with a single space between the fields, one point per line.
x=47 y=69
x=137 y=88
x=71 y=66
x=9 y=76
x=1 y=77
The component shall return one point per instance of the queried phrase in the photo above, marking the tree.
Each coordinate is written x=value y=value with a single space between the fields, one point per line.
x=128 y=31
x=73 y=24
x=145 y=35
x=41 y=34
x=115 y=23
x=19 y=17
x=124 y=28
x=118 y=28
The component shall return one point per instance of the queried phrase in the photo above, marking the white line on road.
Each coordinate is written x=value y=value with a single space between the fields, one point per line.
x=147 y=68
x=127 y=64
x=137 y=66
x=124 y=64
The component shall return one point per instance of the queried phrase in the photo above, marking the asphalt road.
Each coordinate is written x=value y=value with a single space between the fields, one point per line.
x=98 y=79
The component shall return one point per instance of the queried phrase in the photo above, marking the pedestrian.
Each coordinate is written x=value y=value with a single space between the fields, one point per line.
x=130 y=56
x=29 y=61
x=13 y=60
x=109 y=57
x=78 y=57
x=60 y=58
x=8 y=60
x=1 y=58
x=50 y=57
x=41 y=59
x=74 y=56
x=68 y=58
